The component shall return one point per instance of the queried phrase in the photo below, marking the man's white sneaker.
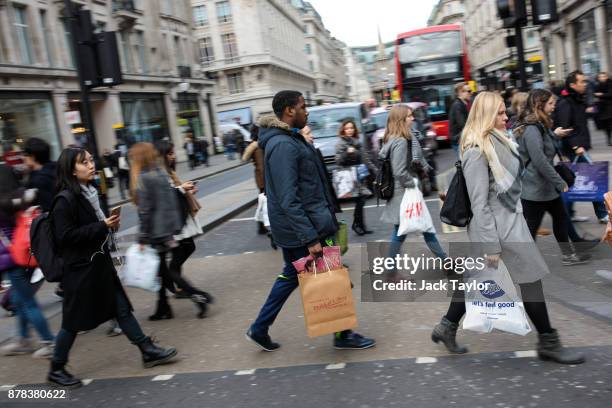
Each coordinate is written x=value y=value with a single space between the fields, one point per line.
x=46 y=351
x=604 y=220
x=21 y=346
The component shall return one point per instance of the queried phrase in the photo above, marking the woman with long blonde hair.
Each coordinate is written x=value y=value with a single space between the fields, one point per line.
x=398 y=145
x=161 y=217
x=493 y=169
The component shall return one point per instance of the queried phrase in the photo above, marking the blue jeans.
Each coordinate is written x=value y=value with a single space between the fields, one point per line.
x=125 y=319
x=285 y=283
x=455 y=147
x=598 y=206
x=430 y=239
x=230 y=150
x=28 y=311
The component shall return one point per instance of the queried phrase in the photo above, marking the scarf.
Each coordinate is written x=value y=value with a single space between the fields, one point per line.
x=506 y=166
x=91 y=194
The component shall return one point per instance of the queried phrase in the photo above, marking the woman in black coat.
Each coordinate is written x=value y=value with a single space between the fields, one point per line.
x=93 y=293
x=603 y=92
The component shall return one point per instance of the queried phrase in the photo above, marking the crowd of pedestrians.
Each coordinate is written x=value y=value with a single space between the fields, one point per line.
x=511 y=180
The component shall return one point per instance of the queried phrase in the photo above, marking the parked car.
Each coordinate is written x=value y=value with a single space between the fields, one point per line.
x=325 y=122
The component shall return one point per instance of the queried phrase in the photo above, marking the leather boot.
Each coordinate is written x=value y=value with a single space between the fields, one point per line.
x=550 y=348
x=446 y=332
x=59 y=377
x=153 y=355
x=163 y=311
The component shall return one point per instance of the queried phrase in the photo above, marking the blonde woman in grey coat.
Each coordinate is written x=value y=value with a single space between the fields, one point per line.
x=398 y=145
x=493 y=169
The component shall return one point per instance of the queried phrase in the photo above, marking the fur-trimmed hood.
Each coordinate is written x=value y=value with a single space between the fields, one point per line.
x=270 y=126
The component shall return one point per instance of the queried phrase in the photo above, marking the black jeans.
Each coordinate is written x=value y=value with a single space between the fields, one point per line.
x=533 y=299
x=171 y=273
x=534 y=211
x=126 y=320
x=358 y=218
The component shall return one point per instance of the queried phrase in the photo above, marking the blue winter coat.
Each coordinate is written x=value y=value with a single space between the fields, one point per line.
x=300 y=205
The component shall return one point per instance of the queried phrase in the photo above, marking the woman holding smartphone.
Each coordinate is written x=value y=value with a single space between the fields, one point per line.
x=93 y=293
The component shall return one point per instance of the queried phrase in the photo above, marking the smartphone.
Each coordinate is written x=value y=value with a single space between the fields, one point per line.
x=195 y=182
x=116 y=211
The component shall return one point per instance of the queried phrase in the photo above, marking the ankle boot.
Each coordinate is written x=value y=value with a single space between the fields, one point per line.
x=201 y=303
x=358 y=229
x=550 y=348
x=446 y=332
x=162 y=312
x=59 y=377
x=153 y=355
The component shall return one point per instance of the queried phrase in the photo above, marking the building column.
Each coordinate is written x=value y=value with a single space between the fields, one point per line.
x=60 y=102
x=205 y=118
x=175 y=133
x=106 y=114
x=602 y=37
x=9 y=43
x=571 y=58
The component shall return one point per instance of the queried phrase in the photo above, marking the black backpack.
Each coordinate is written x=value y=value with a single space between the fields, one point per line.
x=456 y=209
x=384 y=183
x=43 y=246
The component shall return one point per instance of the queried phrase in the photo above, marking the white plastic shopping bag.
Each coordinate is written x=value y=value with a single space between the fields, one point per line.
x=414 y=215
x=261 y=213
x=496 y=304
x=345 y=182
x=141 y=268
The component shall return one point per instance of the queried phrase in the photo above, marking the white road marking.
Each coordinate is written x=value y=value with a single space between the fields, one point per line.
x=245 y=372
x=87 y=381
x=163 y=377
x=426 y=360
x=7 y=387
x=248 y=252
x=525 y=353
x=338 y=366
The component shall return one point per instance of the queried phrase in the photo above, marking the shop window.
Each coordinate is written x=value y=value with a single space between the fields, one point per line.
x=24 y=116
x=224 y=12
x=144 y=117
x=235 y=83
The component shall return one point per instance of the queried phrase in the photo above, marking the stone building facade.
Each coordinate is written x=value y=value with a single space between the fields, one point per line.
x=447 y=12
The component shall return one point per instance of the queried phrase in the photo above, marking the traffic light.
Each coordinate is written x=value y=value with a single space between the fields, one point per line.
x=544 y=11
x=109 y=65
x=512 y=12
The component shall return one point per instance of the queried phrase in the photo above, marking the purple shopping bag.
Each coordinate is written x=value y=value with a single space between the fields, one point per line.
x=591 y=182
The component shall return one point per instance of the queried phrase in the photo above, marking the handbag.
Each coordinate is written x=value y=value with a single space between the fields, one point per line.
x=6 y=260
x=457 y=209
x=20 y=247
x=562 y=170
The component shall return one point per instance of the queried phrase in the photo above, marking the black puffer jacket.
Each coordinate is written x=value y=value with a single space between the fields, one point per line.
x=457 y=116
x=571 y=113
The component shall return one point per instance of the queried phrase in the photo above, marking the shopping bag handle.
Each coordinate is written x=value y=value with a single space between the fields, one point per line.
x=314 y=265
x=586 y=156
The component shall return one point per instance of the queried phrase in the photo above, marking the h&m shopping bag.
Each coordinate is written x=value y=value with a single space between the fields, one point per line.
x=497 y=305
x=141 y=268
x=414 y=215
x=345 y=182
x=326 y=295
x=261 y=214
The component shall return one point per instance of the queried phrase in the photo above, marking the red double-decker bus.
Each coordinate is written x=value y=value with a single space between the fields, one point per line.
x=430 y=61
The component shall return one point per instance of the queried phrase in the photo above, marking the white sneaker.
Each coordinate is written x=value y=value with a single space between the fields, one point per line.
x=46 y=351
x=578 y=218
x=604 y=220
x=604 y=274
x=21 y=346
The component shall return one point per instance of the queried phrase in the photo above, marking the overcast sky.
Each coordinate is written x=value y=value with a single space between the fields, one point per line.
x=355 y=21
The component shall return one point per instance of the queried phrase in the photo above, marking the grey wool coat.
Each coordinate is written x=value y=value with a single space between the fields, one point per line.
x=496 y=227
x=403 y=177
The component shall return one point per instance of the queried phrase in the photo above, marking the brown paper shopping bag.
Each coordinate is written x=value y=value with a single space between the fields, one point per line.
x=327 y=300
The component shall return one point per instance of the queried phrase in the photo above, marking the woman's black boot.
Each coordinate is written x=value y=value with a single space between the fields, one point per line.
x=550 y=348
x=162 y=312
x=201 y=300
x=153 y=355
x=59 y=377
x=446 y=332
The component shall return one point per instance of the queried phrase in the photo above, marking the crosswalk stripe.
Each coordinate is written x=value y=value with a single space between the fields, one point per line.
x=525 y=353
x=246 y=372
x=163 y=377
x=426 y=360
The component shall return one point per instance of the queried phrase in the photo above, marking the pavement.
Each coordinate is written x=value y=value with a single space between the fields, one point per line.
x=217 y=366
